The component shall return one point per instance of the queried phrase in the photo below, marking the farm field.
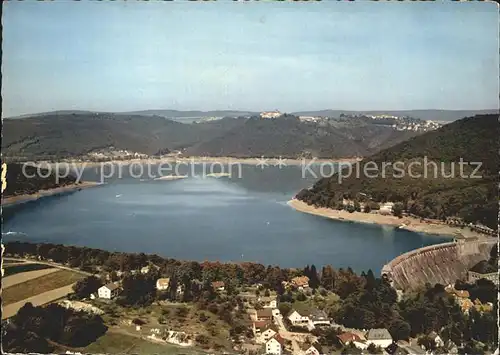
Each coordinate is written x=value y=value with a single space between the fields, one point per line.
x=15 y=279
x=37 y=300
x=17 y=268
x=54 y=280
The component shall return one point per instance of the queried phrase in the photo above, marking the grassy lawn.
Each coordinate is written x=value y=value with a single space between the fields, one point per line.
x=16 y=269
x=117 y=343
x=317 y=301
x=39 y=285
x=188 y=321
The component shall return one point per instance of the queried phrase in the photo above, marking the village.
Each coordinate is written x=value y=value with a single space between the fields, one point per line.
x=212 y=307
x=294 y=332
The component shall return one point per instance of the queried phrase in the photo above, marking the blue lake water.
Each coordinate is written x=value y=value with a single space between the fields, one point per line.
x=225 y=219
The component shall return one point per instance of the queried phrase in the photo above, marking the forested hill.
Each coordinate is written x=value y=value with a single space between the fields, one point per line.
x=441 y=193
x=19 y=183
x=70 y=135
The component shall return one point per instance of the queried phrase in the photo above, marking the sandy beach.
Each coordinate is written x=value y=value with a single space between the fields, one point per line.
x=411 y=224
x=14 y=200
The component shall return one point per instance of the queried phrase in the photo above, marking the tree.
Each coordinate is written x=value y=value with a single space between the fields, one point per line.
x=397 y=209
x=83 y=288
x=284 y=308
x=399 y=329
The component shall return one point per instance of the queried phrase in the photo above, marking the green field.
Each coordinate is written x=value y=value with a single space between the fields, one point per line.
x=117 y=343
x=16 y=269
x=39 y=285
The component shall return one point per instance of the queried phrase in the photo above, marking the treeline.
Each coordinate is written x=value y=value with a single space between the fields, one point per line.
x=441 y=191
x=35 y=329
x=31 y=180
x=187 y=274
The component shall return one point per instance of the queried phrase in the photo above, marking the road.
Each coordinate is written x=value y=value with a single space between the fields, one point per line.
x=285 y=334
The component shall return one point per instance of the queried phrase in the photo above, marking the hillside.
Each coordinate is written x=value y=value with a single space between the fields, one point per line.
x=63 y=135
x=20 y=184
x=72 y=135
x=474 y=139
x=291 y=138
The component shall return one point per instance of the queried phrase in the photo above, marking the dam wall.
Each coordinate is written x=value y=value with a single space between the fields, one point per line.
x=441 y=263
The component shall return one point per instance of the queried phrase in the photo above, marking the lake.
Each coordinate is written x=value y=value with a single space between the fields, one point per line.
x=242 y=218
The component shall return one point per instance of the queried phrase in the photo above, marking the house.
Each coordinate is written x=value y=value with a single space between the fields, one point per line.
x=314 y=349
x=145 y=270
x=318 y=318
x=348 y=337
x=452 y=347
x=108 y=291
x=263 y=331
x=265 y=314
x=275 y=345
x=260 y=326
x=218 y=285
x=162 y=284
x=269 y=302
x=386 y=208
x=270 y=114
x=465 y=305
x=300 y=282
x=379 y=337
x=462 y=293
x=297 y=319
x=483 y=270
x=437 y=339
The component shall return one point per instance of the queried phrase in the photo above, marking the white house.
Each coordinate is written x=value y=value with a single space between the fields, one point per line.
x=162 y=284
x=313 y=350
x=437 y=339
x=275 y=345
x=379 y=337
x=269 y=303
x=145 y=270
x=108 y=291
x=267 y=334
x=270 y=114
x=297 y=319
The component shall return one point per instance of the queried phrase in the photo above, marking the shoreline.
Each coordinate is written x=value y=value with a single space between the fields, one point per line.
x=410 y=224
x=20 y=199
x=201 y=160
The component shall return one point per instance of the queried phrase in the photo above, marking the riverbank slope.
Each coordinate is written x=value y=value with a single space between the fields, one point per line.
x=18 y=199
x=408 y=223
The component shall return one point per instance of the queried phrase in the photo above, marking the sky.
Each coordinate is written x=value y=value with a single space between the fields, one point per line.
x=123 y=56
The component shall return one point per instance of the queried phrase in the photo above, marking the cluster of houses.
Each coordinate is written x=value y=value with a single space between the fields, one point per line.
x=466 y=304
x=112 y=289
x=378 y=337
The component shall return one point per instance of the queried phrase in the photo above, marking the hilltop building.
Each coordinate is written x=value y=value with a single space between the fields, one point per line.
x=270 y=114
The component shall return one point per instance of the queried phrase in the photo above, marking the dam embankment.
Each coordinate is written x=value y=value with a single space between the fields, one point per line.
x=441 y=263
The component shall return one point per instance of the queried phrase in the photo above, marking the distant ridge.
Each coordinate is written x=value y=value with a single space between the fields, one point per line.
x=431 y=114
x=436 y=115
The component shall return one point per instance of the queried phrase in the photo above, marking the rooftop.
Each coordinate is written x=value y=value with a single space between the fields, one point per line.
x=483 y=267
x=111 y=286
x=378 y=334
